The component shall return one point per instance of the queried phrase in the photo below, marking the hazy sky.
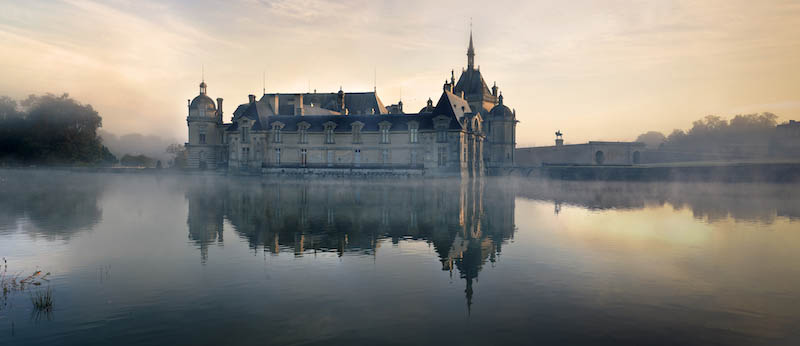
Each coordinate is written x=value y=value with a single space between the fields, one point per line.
x=597 y=70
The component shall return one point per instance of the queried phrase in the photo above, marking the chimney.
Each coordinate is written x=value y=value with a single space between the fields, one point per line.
x=219 y=106
x=252 y=98
x=559 y=142
x=298 y=105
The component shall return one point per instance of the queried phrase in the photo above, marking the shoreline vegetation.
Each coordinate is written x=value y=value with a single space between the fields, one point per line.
x=16 y=283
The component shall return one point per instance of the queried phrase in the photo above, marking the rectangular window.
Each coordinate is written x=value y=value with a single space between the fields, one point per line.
x=303 y=157
x=385 y=135
x=357 y=135
x=442 y=156
x=202 y=138
x=441 y=136
x=385 y=156
x=330 y=158
x=414 y=135
x=303 y=136
x=277 y=156
x=413 y=157
x=245 y=135
x=357 y=157
x=276 y=135
x=329 y=139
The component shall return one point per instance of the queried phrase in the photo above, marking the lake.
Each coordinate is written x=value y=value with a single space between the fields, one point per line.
x=138 y=259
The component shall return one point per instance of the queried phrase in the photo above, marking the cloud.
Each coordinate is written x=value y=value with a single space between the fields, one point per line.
x=579 y=66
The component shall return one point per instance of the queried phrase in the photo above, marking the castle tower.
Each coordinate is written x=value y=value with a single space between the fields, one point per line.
x=502 y=126
x=204 y=147
x=472 y=85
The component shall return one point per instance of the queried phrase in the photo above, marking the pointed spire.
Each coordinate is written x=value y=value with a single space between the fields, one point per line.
x=470 y=50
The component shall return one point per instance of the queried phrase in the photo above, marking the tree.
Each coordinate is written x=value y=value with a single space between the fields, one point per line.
x=652 y=139
x=744 y=136
x=179 y=155
x=8 y=108
x=50 y=129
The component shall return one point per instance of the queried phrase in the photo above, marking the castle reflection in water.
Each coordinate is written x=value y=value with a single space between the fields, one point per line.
x=465 y=222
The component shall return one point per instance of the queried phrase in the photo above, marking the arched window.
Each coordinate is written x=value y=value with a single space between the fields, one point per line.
x=599 y=157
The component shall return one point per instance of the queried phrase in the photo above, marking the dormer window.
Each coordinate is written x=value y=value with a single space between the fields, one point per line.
x=357 y=126
x=302 y=128
x=329 y=137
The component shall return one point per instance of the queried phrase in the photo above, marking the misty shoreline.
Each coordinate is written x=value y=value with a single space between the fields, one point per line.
x=733 y=172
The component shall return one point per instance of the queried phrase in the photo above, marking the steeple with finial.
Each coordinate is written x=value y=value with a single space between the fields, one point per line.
x=470 y=50
x=203 y=81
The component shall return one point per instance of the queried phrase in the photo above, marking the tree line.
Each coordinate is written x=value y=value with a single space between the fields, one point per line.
x=744 y=135
x=51 y=129
x=58 y=130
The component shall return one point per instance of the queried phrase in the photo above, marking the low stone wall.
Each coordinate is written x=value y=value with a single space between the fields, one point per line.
x=592 y=153
x=734 y=172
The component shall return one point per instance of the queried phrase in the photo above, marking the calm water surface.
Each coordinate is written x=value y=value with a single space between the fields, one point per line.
x=142 y=259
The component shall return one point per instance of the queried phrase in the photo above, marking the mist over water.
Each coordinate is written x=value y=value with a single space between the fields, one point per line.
x=145 y=259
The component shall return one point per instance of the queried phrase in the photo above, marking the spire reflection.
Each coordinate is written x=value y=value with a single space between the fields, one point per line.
x=466 y=222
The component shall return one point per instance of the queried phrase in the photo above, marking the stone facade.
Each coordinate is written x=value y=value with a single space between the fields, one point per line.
x=467 y=133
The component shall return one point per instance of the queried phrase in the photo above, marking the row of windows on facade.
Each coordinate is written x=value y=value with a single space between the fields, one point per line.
x=413 y=136
x=441 y=158
x=330 y=138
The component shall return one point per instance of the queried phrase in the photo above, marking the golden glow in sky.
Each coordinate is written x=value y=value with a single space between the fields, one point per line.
x=597 y=70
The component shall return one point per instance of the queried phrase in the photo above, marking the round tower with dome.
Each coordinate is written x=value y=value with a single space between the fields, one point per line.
x=205 y=145
x=502 y=124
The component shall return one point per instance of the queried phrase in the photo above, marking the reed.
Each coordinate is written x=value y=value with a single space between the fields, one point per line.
x=42 y=299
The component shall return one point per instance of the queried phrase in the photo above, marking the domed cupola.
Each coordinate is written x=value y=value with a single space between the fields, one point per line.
x=428 y=107
x=501 y=110
x=202 y=105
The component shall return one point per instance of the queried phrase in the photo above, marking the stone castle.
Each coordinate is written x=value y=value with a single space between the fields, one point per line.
x=468 y=132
